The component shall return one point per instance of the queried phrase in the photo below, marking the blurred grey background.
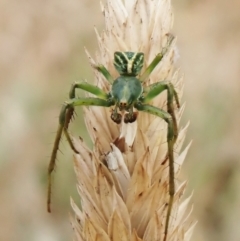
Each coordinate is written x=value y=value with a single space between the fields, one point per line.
x=42 y=53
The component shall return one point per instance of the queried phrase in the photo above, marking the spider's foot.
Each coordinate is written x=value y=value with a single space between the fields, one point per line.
x=116 y=117
x=130 y=117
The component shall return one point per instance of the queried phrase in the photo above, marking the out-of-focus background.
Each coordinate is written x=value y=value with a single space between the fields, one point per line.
x=42 y=53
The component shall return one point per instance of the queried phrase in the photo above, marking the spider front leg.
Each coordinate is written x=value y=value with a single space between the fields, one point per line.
x=155 y=89
x=149 y=93
x=72 y=95
x=171 y=138
x=65 y=117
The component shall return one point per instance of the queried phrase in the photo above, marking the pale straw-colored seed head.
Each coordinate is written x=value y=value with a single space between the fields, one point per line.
x=123 y=182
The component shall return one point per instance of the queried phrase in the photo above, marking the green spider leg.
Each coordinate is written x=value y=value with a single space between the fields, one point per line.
x=155 y=89
x=144 y=76
x=171 y=138
x=102 y=69
x=65 y=117
x=151 y=92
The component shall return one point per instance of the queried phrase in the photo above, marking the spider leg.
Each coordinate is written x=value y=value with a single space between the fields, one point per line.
x=156 y=60
x=171 y=138
x=102 y=69
x=155 y=89
x=87 y=87
x=64 y=119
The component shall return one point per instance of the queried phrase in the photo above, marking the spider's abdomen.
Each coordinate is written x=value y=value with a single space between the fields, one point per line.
x=126 y=90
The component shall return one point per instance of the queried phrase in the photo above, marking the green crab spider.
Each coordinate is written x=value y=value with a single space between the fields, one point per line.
x=127 y=93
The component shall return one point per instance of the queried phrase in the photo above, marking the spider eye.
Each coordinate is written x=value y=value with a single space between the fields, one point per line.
x=128 y=63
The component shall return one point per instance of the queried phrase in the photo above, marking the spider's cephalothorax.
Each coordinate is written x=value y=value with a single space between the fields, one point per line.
x=127 y=93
